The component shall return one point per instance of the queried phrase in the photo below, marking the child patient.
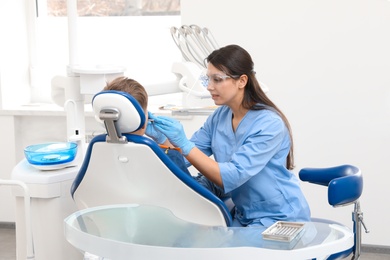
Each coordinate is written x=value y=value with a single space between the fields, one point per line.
x=136 y=90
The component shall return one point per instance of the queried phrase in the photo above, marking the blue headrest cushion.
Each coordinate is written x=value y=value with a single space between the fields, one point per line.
x=131 y=115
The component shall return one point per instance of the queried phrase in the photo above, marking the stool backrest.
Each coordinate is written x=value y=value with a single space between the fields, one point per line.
x=344 y=182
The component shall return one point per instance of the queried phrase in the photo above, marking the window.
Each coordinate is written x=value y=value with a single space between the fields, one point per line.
x=130 y=33
x=116 y=7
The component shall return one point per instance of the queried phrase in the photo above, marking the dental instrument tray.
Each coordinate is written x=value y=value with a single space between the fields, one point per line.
x=51 y=156
x=283 y=231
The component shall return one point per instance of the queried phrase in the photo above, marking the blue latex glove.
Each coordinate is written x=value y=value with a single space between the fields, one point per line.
x=172 y=129
x=153 y=132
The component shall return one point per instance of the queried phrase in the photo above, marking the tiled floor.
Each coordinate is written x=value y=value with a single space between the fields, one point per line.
x=8 y=248
x=7 y=244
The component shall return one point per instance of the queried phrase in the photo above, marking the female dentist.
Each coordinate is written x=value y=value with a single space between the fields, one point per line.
x=251 y=141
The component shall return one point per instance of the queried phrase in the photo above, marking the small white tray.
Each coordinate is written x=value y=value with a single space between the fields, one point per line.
x=283 y=231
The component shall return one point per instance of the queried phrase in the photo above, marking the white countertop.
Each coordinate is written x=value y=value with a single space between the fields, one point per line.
x=177 y=100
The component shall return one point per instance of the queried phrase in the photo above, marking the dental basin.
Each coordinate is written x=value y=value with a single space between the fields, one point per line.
x=131 y=231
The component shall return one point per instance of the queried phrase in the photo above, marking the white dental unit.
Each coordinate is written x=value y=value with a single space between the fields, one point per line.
x=145 y=229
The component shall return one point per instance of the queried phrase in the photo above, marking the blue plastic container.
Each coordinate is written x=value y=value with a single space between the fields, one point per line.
x=50 y=153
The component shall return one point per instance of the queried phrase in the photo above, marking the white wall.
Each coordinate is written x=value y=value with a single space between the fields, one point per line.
x=14 y=74
x=327 y=65
x=14 y=57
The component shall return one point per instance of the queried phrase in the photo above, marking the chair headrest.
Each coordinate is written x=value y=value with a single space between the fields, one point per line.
x=131 y=115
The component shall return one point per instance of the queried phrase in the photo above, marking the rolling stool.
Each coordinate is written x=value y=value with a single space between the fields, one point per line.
x=345 y=186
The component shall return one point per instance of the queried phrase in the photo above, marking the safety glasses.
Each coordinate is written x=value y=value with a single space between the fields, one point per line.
x=215 y=79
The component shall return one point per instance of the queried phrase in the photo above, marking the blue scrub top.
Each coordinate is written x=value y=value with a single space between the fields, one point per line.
x=252 y=163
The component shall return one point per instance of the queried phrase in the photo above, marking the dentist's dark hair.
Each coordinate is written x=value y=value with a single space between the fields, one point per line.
x=235 y=61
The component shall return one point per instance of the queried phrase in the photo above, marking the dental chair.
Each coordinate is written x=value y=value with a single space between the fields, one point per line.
x=345 y=186
x=123 y=168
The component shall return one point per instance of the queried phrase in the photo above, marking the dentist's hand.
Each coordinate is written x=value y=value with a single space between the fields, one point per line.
x=153 y=132
x=172 y=129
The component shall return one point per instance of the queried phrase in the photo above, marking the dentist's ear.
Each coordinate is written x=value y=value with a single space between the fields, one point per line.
x=243 y=80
